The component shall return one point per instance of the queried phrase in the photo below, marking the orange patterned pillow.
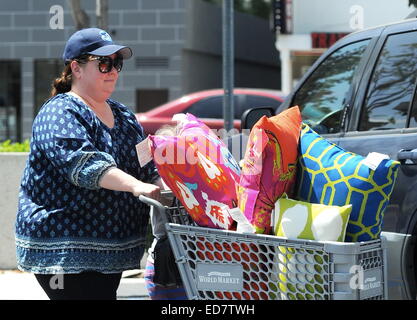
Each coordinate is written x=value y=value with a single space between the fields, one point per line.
x=269 y=166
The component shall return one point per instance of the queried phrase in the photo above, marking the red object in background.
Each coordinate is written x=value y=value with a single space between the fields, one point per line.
x=208 y=106
x=325 y=39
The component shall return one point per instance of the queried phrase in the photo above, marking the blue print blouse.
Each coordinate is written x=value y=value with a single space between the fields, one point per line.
x=65 y=222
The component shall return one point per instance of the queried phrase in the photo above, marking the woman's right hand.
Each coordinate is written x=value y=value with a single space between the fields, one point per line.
x=116 y=179
x=147 y=190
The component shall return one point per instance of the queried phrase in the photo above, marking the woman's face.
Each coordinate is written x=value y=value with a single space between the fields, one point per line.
x=95 y=83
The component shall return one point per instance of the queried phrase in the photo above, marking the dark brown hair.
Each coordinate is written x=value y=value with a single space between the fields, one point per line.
x=64 y=82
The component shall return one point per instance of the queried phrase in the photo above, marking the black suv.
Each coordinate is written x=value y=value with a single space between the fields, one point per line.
x=361 y=95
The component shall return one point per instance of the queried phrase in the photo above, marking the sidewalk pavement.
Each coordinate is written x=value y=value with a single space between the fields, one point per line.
x=17 y=285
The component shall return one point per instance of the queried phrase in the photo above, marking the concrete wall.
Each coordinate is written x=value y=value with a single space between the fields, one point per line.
x=11 y=171
x=151 y=28
x=188 y=33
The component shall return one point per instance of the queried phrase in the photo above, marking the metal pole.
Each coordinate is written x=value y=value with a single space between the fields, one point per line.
x=228 y=66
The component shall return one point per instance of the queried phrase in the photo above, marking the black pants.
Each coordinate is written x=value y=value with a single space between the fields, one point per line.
x=81 y=286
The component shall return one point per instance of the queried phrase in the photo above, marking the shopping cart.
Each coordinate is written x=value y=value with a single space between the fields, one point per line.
x=227 y=265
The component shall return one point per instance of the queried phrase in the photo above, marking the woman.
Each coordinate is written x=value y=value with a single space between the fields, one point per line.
x=79 y=216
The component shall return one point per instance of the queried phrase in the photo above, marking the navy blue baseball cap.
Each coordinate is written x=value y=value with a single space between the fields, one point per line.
x=93 y=41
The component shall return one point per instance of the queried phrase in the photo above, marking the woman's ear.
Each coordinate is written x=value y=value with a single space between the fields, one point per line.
x=75 y=69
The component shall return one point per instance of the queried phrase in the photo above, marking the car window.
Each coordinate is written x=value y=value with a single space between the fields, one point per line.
x=413 y=114
x=211 y=107
x=391 y=87
x=321 y=98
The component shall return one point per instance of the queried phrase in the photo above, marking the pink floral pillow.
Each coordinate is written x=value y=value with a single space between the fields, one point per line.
x=269 y=166
x=201 y=172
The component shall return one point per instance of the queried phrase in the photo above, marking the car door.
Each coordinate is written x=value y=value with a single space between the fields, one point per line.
x=384 y=120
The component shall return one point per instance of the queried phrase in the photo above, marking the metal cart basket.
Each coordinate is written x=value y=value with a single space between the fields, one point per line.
x=227 y=265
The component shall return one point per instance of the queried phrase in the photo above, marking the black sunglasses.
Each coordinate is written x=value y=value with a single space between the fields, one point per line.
x=106 y=64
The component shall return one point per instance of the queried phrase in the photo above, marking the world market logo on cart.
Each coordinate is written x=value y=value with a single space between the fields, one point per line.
x=225 y=274
x=219 y=277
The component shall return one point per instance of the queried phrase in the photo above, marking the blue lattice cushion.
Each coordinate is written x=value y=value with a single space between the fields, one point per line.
x=330 y=175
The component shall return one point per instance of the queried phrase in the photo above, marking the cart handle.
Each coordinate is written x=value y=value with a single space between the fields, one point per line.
x=150 y=201
x=153 y=202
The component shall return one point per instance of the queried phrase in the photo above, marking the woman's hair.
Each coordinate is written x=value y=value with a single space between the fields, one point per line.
x=64 y=82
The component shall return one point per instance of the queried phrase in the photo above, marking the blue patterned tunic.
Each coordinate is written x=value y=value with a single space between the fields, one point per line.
x=65 y=222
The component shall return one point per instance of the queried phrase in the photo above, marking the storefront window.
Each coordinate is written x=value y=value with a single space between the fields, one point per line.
x=147 y=99
x=46 y=70
x=10 y=101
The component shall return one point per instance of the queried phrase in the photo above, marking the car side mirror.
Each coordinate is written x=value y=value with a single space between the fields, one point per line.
x=251 y=116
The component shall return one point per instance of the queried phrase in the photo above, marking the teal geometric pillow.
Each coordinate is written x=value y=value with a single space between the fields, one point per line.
x=330 y=175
